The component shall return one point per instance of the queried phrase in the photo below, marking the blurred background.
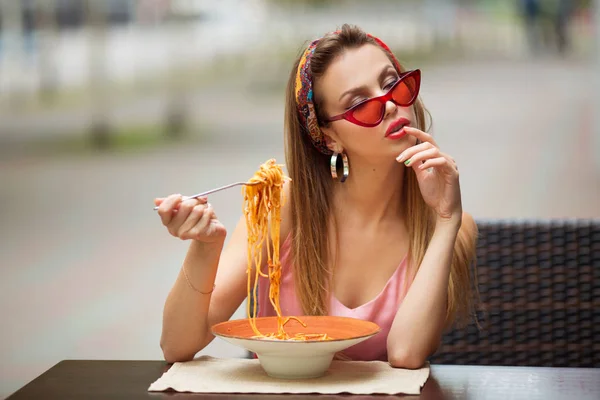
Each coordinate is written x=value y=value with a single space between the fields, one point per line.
x=106 y=104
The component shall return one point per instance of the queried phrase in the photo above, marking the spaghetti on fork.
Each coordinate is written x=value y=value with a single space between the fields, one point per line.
x=262 y=212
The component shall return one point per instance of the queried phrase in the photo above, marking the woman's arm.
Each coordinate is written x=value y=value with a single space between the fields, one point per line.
x=420 y=321
x=188 y=315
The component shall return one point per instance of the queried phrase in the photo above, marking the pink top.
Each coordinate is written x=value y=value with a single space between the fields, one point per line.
x=380 y=310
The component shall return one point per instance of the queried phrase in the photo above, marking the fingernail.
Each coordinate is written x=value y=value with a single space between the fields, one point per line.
x=400 y=158
x=407 y=162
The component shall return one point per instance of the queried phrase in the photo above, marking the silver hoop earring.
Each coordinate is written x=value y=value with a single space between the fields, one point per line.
x=333 y=166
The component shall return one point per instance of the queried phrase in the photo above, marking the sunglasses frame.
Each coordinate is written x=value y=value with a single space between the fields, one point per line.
x=384 y=98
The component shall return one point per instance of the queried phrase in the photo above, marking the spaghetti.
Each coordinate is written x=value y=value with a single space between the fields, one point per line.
x=262 y=211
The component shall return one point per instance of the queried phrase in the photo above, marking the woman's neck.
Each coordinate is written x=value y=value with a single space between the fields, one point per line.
x=371 y=194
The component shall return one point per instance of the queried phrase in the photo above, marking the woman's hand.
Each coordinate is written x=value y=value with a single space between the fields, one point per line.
x=190 y=219
x=437 y=175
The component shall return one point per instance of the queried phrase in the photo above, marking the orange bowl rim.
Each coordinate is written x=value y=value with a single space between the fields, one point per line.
x=376 y=330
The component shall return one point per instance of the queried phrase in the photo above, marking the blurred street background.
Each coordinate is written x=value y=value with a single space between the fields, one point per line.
x=106 y=104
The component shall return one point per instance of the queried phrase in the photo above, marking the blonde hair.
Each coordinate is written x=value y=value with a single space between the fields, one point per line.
x=311 y=194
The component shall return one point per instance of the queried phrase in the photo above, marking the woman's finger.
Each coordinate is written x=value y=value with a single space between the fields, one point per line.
x=451 y=161
x=159 y=200
x=411 y=151
x=184 y=210
x=441 y=163
x=419 y=134
x=165 y=209
x=201 y=200
x=203 y=225
x=433 y=152
x=191 y=221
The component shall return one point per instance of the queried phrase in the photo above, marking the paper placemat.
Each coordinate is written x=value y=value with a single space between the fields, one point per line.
x=237 y=375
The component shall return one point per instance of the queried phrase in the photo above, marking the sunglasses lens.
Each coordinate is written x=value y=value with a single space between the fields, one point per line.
x=406 y=91
x=368 y=112
x=404 y=94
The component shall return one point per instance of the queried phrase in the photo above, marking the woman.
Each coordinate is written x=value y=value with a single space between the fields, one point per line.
x=384 y=240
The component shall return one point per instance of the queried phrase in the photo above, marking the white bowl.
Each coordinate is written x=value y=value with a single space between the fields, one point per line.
x=289 y=359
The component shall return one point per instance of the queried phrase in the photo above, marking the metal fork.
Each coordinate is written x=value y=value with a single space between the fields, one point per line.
x=217 y=190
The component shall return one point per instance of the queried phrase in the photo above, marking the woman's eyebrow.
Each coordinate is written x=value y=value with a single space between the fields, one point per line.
x=363 y=88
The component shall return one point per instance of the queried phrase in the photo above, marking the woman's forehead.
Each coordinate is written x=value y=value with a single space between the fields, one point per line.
x=355 y=67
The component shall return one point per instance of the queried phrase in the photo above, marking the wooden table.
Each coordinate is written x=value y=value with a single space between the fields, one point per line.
x=79 y=379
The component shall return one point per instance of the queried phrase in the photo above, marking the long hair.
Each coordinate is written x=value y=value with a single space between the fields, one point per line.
x=312 y=190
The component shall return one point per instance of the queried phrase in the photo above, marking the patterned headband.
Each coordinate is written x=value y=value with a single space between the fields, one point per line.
x=304 y=93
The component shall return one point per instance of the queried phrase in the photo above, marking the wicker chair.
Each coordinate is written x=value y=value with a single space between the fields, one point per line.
x=539 y=285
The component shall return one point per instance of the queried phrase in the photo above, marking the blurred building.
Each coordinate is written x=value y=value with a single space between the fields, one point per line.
x=70 y=13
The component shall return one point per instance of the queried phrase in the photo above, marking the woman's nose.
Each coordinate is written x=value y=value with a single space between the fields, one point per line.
x=390 y=108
